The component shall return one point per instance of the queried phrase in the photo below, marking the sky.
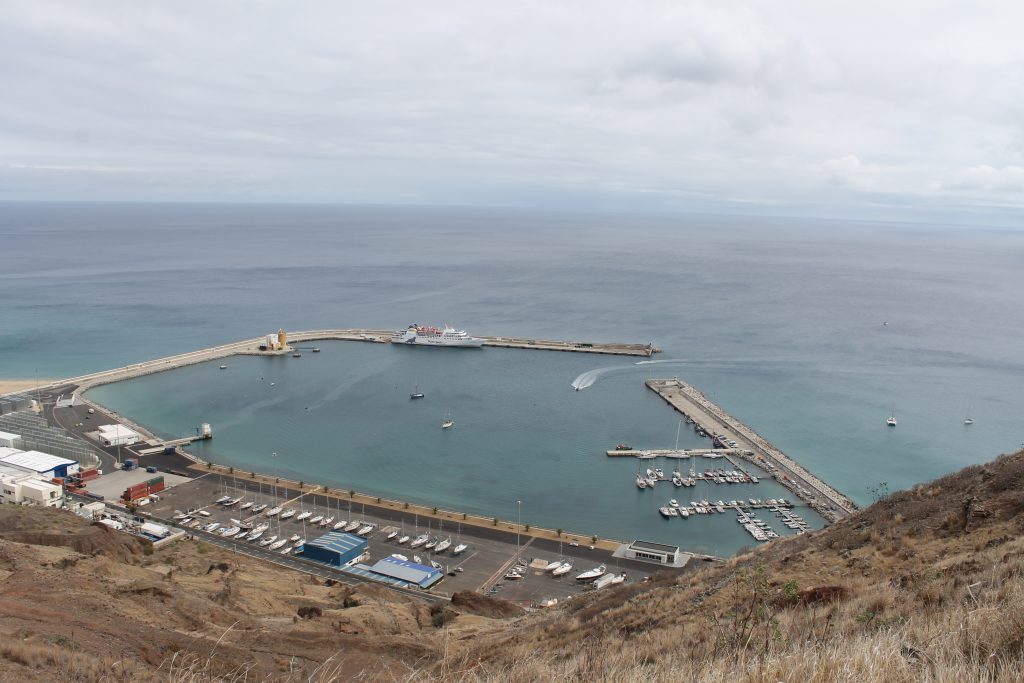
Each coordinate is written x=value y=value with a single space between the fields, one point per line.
x=833 y=108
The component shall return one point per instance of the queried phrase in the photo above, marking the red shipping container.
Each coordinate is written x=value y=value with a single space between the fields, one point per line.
x=88 y=474
x=156 y=488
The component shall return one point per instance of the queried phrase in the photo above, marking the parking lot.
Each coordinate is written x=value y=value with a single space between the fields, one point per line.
x=481 y=567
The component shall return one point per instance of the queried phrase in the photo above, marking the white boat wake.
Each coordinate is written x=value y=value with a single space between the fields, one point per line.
x=590 y=377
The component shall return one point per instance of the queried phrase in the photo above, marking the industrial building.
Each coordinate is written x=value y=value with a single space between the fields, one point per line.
x=21 y=487
x=404 y=570
x=117 y=435
x=8 y=440
x=649 y=551
x=44 y=464
x=335 y=548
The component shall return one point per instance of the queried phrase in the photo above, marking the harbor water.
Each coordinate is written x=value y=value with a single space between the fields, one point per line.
x=811 y=332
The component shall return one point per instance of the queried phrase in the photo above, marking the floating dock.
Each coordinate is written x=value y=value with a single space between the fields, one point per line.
x=711 y=419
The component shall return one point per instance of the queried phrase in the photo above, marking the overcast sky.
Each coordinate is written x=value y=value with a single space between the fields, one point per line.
x=824 y=107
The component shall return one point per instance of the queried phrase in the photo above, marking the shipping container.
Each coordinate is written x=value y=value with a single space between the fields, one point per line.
x=156 y=480
x=86 y=475
x=156 y=488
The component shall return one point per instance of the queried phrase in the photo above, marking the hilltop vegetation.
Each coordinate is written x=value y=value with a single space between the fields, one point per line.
x=925 y=584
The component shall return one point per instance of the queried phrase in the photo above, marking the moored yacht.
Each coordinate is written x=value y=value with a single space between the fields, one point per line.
x=425 y=335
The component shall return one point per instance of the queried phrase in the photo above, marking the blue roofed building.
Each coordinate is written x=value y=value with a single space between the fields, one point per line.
x=335 y=548
x=404 y=570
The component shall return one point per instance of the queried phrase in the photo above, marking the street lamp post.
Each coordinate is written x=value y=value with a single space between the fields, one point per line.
x=519 y=524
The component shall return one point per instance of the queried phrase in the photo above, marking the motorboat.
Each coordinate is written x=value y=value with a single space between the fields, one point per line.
x=674 y=503
x=299 y=543
x=289 y=513
x=592 y=574
x=620 y=578
x=513 y=575
x=564 y=569
x=294 y=537
x=443 y=545
x=399 y=556
x=459 y=548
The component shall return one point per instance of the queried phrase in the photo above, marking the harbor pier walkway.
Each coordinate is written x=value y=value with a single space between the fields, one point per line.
x=722 y=426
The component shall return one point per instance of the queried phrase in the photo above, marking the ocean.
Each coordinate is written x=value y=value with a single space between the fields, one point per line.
x=810 y=331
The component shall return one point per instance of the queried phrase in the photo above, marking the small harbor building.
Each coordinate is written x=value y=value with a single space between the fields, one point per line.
x=649 y=551
x=404 y=570
x=335 y=548
x=49 y=466
x=117 y=435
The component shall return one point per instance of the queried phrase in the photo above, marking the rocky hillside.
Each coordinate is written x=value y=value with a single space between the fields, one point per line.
x=924 y=585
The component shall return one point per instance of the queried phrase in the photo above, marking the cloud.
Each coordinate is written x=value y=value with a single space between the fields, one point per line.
x=654 y=104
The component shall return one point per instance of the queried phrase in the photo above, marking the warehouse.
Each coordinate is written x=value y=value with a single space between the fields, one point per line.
x=335 y=548
x=49 y=466
x=419 y=574
x=117 y=435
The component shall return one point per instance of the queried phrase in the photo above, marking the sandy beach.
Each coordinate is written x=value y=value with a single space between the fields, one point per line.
x=9 y=385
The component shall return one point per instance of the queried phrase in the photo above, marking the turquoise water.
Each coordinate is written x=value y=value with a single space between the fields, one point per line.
x=779 y=321
x=343 y=417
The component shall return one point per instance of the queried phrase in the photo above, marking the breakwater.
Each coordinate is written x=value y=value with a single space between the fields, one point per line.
x=726 y=430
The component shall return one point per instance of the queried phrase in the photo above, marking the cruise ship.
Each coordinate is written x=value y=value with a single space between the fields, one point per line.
x=433 y=336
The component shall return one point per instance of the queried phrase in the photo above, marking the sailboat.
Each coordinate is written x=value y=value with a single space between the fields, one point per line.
x=448 y=422
x=968 y=420
x=416 y=393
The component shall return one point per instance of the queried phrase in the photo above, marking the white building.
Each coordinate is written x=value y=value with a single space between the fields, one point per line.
x=20 y=487
x=653 y=552
x=117 y=435
x=9 y=440
x=46 y=465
